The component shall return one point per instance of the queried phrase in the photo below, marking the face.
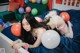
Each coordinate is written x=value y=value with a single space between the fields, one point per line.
x=26 y=25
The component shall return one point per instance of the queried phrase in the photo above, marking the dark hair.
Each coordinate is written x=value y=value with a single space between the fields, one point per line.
x=33 y=22
x=27 y=36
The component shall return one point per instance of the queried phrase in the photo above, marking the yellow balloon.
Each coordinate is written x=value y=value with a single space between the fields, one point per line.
x=33 y=1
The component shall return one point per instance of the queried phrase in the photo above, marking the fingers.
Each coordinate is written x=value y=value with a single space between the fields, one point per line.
x=20 y=44
x=26 y=46
x=15 y=42
x=17 y=46
x=16 y=51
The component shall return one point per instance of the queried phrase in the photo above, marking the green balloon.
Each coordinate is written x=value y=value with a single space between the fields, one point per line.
x=44 y=1
x=34 y=11
x=0 y=30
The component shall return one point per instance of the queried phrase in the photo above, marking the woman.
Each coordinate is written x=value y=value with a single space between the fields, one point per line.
x=30 y=25
x=55 y=21
x=67 y=45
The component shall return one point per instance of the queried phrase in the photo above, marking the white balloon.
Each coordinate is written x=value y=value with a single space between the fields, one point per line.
x=50 y=39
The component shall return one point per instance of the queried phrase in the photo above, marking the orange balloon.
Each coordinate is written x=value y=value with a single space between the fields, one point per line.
x=16 y=29
x=1 y=27
x=65 y=16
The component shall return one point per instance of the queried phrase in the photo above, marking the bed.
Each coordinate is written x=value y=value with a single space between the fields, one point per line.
x=66 y=45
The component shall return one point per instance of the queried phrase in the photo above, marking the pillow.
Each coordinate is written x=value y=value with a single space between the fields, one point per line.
x=13 y=6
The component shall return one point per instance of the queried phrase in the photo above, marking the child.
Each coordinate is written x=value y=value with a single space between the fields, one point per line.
x=55 y=21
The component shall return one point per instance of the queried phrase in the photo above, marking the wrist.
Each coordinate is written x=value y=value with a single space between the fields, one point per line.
x=25 y=45
x=19 y=41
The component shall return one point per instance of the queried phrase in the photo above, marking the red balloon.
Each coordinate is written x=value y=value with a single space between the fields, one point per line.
x=16 y=29
x=65 y=16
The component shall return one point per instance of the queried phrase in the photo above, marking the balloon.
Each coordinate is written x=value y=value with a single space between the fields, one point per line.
x=50 y=39
x=1 y=22
x=38 y=1
x=1 y=27
x=21 y=10
x=33 y=1
x=30 y=0
x=28 y=9
x=44 y=1
x=34 y=11
x=6 y=25
x=0 y=30
x=38 y=19
x=26 y=1
x=65 y=16
x=16 y=29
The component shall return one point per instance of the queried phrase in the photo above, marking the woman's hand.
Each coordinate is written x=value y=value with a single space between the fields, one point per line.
x=17 y=46
x=15 y=42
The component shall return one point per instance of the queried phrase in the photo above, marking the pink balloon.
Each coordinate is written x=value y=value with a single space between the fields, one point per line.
x=30 y=0
x=28 y=9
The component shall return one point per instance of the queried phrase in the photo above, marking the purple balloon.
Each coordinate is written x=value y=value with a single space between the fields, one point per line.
x=38 y=1
x=21 y=10
x=6 y=25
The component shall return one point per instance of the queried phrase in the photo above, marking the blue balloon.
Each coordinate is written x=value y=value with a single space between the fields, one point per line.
x=38 y=1
x=26 y=1
x=21 y=10
x=1 y=22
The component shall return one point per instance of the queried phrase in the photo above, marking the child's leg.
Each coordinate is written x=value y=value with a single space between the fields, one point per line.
x=70 y=34
x=67 y=31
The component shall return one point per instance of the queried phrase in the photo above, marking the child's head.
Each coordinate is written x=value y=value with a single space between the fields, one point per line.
x=52 y=20
x=50 y=15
